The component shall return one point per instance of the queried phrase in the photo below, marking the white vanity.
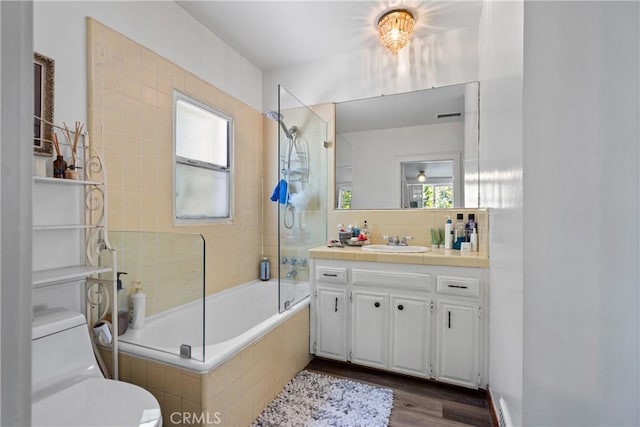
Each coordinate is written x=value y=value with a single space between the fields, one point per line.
x=404 y=313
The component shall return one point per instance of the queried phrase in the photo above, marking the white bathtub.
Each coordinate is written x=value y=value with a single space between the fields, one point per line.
x=235 y=318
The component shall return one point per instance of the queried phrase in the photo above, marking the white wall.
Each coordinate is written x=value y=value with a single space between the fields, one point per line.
x=162 y=26
x=501 y=53
x=376 y=173
x=581 y=109
x=16 y=111
x=438 y=60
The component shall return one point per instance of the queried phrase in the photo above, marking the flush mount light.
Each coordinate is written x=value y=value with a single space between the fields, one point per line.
x=395 y=29
x=421 y=177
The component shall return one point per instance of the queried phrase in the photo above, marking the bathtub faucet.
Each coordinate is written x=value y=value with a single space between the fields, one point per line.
x=292 y=274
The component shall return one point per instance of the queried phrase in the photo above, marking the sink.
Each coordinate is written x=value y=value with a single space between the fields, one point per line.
x=396 y=249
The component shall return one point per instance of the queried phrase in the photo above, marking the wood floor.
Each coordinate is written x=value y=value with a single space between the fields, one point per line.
x=417 y=402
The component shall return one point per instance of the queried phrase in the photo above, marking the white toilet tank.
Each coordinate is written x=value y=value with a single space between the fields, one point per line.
x=61 y=351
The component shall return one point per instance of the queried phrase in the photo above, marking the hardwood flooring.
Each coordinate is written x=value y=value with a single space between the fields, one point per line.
x=417 y=402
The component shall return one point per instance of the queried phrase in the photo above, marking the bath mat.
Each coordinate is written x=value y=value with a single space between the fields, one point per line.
x=314 y=400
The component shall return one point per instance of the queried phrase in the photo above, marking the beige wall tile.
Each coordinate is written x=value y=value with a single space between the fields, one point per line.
x=139 y=372
x=172 y=381
x=192 y=388
x=155 y=376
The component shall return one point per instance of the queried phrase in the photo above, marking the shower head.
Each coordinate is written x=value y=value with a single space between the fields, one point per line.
x=274 y=115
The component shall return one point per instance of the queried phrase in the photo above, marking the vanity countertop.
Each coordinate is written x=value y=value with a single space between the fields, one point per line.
x=448 y=257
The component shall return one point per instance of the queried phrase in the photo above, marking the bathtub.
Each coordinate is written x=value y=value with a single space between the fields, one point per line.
x=234 y=319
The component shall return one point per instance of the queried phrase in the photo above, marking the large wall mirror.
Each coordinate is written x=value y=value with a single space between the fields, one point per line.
x=415 y=150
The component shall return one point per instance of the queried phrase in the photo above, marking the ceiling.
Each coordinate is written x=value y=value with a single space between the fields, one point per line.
x=275 y=34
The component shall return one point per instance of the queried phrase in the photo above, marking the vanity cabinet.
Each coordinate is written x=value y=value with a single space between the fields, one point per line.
x=331 y=323
x=457 y=359
x=410 y=346
x=417 y=320
x=369 y=328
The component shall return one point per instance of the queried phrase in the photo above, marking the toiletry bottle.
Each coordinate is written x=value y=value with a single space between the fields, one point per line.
x=265 y=270
x=355 y=230
x=471 y=225
x=138 y=305
x=474 y=240
x=448 y=233
x=123 y=307
x=459 y=231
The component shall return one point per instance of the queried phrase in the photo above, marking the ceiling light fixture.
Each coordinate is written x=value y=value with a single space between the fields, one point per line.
x=421 y=177
x=395 y=29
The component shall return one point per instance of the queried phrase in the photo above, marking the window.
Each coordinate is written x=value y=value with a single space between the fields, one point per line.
x=344 y=198
x=438 y=196
x=202 y=169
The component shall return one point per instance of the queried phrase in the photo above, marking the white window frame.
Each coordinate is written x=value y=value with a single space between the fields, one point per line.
x=197 y=163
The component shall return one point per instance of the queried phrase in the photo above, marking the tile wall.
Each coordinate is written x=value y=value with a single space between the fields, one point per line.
x=131 y=124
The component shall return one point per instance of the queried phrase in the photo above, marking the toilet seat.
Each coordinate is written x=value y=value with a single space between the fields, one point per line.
x=98 y=402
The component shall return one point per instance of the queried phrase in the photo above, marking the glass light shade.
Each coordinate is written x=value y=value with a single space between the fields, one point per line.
x=395 y=29
x=421 y=177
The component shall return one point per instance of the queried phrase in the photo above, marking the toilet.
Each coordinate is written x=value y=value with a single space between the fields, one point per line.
x=68 y=388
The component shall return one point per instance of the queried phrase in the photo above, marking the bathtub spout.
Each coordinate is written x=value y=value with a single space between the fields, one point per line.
x=292 y=274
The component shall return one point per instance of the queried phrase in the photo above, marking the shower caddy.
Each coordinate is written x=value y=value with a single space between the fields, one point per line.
x=93 y=180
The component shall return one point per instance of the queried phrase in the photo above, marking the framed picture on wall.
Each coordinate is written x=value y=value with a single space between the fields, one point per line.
x=43 y=78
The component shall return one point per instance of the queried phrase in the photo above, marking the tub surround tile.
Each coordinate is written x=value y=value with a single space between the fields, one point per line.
x=139 y=372
x=192 y=388
x=173 y=382
x=155 y=376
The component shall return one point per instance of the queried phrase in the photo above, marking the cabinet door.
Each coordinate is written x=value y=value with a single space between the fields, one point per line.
x=331 y=323
x=410 y=335
x=457 y=360
x=369 y=328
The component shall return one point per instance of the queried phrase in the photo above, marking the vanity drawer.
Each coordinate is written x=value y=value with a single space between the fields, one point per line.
x=418 y=281
x=463 y=286
x=331 y=274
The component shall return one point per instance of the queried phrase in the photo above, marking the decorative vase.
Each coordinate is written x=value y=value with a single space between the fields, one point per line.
x=59 y=167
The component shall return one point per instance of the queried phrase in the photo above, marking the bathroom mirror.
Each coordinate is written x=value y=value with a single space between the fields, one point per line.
x=414 y=150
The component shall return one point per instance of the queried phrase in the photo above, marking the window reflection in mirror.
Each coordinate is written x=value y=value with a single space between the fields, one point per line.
x=383 y=143
x=428 y=184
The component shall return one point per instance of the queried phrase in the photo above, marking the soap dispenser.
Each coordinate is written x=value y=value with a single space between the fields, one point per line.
x=123 y=312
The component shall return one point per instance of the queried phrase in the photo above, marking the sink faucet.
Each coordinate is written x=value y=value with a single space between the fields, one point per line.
x=396 y=241
x=392 y=241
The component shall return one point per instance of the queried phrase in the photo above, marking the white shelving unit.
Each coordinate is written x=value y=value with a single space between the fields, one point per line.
x=70 y=232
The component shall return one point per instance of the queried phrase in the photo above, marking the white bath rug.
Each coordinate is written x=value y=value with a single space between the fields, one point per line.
x=316 y=400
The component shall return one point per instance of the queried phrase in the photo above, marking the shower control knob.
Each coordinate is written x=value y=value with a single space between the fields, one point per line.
x=284 y=260
x=293 y=261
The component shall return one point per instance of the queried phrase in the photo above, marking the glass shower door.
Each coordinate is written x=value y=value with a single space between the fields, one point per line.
x=302 y=208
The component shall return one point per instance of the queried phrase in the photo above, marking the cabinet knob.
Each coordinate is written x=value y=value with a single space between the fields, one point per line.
x=400 y=307
x=377 y=304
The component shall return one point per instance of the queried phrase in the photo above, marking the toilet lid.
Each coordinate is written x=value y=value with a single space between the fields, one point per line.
x=98 y=402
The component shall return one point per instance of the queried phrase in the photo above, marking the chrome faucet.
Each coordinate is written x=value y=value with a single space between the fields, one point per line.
x=396 y=241
x=392 y=241
x=292 y=274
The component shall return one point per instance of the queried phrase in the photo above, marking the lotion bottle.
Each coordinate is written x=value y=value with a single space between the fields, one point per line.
x=448 y=233
x=138 y=305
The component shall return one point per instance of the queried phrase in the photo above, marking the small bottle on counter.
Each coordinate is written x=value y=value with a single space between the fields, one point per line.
x=459 y=232
x=448 y=233
x=473 y=238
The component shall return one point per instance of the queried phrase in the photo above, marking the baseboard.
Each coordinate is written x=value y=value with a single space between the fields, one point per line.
x=492 y=408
